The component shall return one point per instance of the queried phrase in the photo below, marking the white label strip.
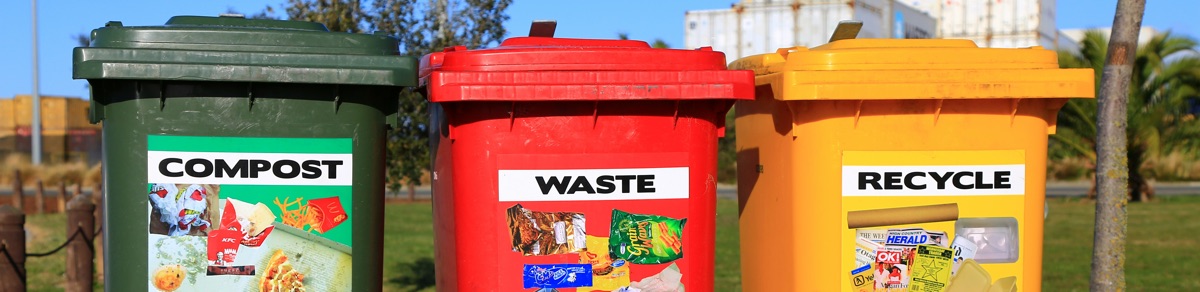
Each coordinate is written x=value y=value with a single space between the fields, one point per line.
x=934 y=180
x=593 y=184
x=231 y=168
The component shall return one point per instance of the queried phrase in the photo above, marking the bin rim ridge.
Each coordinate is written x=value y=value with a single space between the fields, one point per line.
x=877 y=69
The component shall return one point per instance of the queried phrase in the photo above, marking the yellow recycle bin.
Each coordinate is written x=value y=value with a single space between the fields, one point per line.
x=885 y=165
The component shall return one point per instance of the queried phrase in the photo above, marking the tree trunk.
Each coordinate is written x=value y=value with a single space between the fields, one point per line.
x=1112 y=168
x=412 y=192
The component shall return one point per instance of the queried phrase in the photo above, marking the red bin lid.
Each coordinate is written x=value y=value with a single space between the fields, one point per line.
x=546 y=68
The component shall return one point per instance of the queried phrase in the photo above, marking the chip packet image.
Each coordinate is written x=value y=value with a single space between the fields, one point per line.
x=646 y=239
x=930 y=269
x=545 y=233
x=556 y=275
x=608 y=273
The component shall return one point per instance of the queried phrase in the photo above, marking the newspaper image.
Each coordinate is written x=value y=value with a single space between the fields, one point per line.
x=874 y=235
x=892 y=268
x=864 y=252
x=916 y=236
x=964 y=249
x=930 y=269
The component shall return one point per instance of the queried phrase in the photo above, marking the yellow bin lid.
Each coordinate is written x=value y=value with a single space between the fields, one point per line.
x=873 y=69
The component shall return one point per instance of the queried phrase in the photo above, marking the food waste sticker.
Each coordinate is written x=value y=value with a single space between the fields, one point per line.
x=933 y=173
x=216 y=206
x=557 y=275
x=930 y=269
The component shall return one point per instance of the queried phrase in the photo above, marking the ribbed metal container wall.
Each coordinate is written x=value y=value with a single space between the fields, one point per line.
x=751 y=28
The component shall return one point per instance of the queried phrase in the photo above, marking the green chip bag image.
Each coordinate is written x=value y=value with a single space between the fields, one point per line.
x=645 y=239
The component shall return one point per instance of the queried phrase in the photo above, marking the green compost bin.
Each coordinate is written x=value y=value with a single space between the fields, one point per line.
x=242 y=154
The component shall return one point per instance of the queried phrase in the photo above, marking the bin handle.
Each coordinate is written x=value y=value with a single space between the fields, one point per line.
x=846 y=29
x=543 y=28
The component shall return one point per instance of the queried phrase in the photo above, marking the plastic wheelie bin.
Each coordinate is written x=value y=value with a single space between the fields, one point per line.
x=908 y=165
x=242 y=154
x=576 y=164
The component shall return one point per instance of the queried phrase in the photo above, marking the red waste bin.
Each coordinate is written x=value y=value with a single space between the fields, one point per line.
x=576 y=164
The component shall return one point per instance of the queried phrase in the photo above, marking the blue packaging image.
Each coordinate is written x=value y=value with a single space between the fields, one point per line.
x=557 y=275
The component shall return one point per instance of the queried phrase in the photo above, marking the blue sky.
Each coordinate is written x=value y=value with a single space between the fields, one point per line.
x=60 y=20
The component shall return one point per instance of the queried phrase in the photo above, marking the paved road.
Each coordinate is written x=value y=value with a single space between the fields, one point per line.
x=1072 y=189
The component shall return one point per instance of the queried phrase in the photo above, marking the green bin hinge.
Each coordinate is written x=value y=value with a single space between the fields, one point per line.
x=95 y=110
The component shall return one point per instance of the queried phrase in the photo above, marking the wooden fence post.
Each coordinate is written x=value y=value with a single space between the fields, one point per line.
x=39 y=198
x=80 y=256
x=12 y=242
x=97 y=198
x=62 y=196
x=18 y=196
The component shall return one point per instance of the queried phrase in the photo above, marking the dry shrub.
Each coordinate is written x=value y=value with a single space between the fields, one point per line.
x=68 y=173
x=1070 y=168
x=50 y=175
x=1175 y=166
x=18 y=162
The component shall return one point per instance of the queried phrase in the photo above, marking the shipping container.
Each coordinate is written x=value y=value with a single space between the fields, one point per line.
x=751 y=28
x=996 y=23
x=67 y=136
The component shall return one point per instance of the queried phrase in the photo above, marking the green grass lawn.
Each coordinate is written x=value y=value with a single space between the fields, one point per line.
x=1161 y=251
x=1164 y=237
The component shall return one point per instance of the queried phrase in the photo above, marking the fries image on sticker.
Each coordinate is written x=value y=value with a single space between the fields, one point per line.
x=318 y=215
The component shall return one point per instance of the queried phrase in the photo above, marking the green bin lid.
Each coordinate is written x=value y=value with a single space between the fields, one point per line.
x=233 y=48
